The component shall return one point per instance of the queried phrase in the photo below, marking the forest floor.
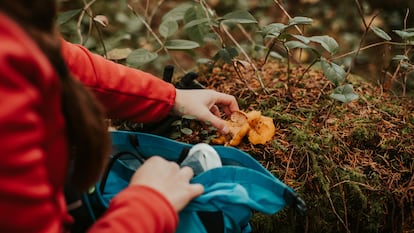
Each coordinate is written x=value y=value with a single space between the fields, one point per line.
x=353 y=163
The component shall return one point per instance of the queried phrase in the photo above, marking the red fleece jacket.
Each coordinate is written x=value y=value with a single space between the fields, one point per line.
x=33 y=158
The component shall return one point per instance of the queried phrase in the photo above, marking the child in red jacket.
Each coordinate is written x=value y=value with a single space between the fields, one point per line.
x=48 y=120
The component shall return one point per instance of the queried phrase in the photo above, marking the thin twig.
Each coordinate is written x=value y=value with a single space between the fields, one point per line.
x=155 y=37
x=236 y=65
x=84 y=11
x=336 y=213
x=154 y=11
x=288 y=164
x=365 y=48
x=361 y=13
x=406 y=51
x=259 y=78
x=205 y=6
x=287 y=14
x=364 y=35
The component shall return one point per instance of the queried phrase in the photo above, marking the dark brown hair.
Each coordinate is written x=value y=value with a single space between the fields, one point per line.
x=85 y=123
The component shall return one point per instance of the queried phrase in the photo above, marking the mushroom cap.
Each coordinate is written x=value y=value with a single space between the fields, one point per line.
x=262 y=131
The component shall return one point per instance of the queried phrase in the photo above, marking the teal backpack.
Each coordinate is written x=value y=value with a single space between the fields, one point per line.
x=232 y=192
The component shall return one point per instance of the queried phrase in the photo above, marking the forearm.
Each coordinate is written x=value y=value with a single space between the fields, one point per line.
x=125 y=92
x=138 y=209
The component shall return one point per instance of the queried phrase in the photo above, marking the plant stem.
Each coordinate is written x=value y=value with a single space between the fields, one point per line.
x=259 y=78
x=366 y=47
x=287 y=14
x=364 y=35
x=85 y=9
x=156 y=37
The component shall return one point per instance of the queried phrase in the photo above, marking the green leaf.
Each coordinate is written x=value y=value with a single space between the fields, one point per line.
x=189 y=117
x=344 y=93
x=175 y=135
x=118 y=54
x=327 y=42
x=196 y=24
x=274 y=29
x=176 y=123
x=140 y=57
x=299 y=45
x=177 y=13
x=276 y=55
x=405 y=35
x=400 y=58
x=186 y=131
x=66 y=16
x=300 y=20
x=242 y=17
x=168 y=28
x=379 y=32
x=333 y=72
x=304 y=39
x=181 y=44
x=296 y=44
x=226 y=55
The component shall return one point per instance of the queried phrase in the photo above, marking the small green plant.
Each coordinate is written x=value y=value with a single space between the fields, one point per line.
x=183 y=127
x=200 y=25
x=280 y=33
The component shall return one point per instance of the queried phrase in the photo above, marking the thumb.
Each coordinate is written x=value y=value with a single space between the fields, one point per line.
x=219 y=123
x=196 y=190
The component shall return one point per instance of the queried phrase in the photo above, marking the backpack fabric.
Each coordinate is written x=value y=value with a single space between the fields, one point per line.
x=232 y=192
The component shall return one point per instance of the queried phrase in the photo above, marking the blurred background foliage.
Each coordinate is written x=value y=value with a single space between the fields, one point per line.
x=135 y=33
x=124 y=25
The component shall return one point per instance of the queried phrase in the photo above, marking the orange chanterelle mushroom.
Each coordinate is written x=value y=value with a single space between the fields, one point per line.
x=259 y=129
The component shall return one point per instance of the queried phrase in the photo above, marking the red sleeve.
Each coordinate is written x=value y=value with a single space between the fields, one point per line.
x=138 y=209
x=27 y=201
x=126 y=93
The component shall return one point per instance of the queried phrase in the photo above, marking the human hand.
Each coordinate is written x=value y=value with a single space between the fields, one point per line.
x=205 y=105
x=169 y=179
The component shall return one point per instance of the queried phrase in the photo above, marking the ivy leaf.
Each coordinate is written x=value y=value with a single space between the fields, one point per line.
x=274 y=29
x=189 y=117
x=140 y=57
x=118 y=54
x=300 y=20
x=186 y=131
x=168 y=28
x=175 y=135
x=64 y=17
x=379 y=32
x=327 y=42
x=226 y=54
x=181 y=44
x=333 y=72
x=400 y=58
x=276 y=55
x=296 y=44
x=242 y=17
x=304 y=39
x=344 y=93
x=196 y=24
x=405 y=35
x=177 y=13
x=177 y=123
